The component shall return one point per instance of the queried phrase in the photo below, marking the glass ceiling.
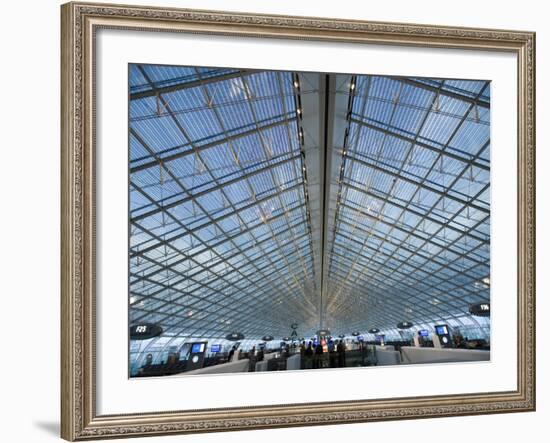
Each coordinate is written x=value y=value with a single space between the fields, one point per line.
x=222 y=214
x=412 y=221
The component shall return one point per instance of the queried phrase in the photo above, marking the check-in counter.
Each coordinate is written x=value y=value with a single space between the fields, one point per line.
x=224 y=368
x=413 y=355
x=293 y=363
x=386 y=357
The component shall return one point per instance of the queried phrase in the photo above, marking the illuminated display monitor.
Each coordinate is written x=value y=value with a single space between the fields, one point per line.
x=441 y=330
x=380 y=338
x=215 y=348
x=423 y=333
x=197 y=347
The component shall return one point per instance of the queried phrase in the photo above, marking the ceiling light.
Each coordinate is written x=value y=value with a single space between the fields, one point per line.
x=484 y=283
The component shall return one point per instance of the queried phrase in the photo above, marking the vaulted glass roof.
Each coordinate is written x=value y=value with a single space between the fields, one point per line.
x=220 y=236
x=411 y=239
x=259 y=199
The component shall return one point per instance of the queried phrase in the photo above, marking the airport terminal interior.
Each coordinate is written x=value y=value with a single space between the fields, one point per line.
x=303 y=220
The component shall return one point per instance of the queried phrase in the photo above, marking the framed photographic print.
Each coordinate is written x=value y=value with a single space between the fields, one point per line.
x=283 y=221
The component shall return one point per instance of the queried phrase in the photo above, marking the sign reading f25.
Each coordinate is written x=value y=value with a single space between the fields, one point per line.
x=144 y=331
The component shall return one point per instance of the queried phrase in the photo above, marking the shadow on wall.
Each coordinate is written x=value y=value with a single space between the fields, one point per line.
x=49 y=427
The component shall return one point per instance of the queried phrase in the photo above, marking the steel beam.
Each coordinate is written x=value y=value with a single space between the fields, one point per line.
x=446 y=92
x=471 y=161
x=212 y=189
x=419 y=184
x=204 y=147
x=187 y=85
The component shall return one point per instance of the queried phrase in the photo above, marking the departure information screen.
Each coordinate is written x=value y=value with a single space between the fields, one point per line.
x=197 y=347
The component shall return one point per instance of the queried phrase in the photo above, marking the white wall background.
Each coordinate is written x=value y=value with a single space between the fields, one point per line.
x=29 y=220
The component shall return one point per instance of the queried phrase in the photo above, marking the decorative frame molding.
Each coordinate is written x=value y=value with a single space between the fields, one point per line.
x=79 y=21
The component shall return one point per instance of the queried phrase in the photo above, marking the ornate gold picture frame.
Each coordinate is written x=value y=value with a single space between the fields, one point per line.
x=80 y=22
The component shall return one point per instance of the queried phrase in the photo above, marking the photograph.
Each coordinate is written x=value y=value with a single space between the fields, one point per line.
x=285 y=221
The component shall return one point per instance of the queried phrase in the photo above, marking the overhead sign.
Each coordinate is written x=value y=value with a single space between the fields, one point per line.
x=404 y=325
x=144 y=331
x=234 y=336
x=480 y=309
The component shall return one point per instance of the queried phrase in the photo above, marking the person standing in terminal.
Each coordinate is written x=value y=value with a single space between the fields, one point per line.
x=286 y=351
x=252 y=359
x=332 y=354
x=308 y=353
x=231 y=353
x=341 y=349
x=318 y=358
